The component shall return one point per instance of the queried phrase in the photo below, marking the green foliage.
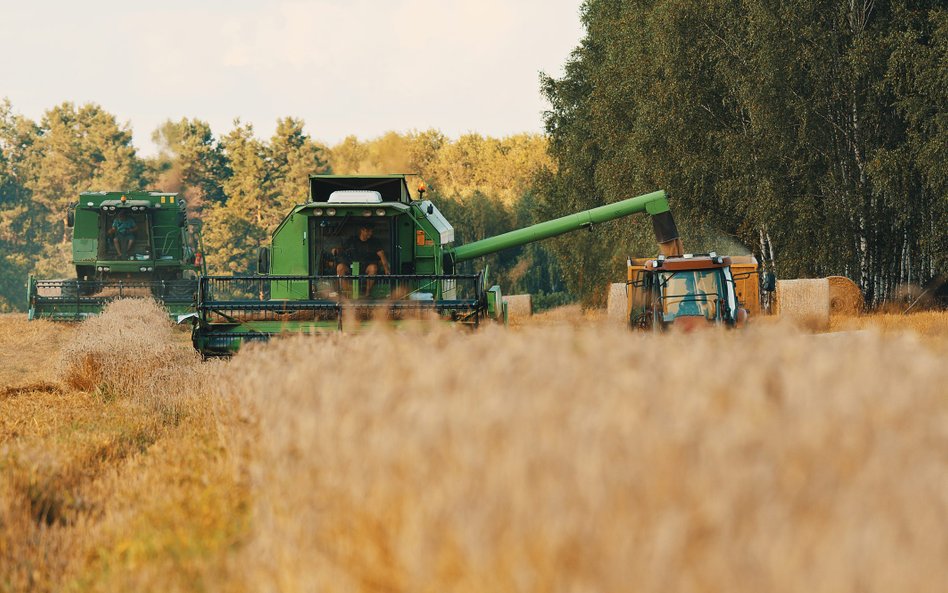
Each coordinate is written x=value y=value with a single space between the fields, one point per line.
x=191 y=161
x=771 y=124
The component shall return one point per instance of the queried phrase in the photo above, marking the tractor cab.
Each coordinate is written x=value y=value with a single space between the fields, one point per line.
x=686 y=292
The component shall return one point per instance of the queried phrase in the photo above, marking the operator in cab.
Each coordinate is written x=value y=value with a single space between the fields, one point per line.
x=124 y=229
x=364 y=249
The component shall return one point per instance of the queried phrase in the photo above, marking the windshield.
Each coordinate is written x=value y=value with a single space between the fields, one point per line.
x=691 y=293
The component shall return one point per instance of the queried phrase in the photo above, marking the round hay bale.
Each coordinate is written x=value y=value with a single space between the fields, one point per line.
x=845 y=297
x=617 y=302
x=805 y=302
x=519 y=306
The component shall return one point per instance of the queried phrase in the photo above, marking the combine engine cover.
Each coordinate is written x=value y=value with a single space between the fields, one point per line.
x=124 y=244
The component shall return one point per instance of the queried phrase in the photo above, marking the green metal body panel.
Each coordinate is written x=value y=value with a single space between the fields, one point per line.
x=164 y=261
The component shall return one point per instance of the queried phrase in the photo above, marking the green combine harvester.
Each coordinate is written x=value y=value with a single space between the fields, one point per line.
x=124 y=244
x=361 y=249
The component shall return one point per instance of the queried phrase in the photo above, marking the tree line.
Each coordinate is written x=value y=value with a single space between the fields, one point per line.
x=242 y=186
x=813 y=132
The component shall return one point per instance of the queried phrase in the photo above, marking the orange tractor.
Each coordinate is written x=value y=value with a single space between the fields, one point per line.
x=690 y=291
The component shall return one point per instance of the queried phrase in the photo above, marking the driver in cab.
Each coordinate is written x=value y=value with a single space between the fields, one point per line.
x=364 y=249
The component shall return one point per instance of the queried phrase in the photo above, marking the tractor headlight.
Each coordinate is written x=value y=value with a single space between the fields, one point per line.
x=143 y=269
x=331 y=212
x=318 y=212
x=98 y=269
x=380 y=212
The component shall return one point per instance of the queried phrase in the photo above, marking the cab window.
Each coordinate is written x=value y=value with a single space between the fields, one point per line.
x=691 y=293
x=338 y=242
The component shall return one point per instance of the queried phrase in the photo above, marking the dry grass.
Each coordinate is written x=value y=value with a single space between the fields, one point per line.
x=566 y=455
x=563 y=459
x=114 y=476
x=26 y=347
x=123 y=350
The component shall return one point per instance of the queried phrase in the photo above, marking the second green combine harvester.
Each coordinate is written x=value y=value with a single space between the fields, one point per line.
x=124 y=244
x=361 y=248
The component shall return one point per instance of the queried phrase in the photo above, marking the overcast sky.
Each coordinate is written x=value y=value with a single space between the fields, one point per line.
x=345 y=66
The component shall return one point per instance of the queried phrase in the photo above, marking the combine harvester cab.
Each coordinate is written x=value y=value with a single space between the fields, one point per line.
x=361 y=250
x=693 y=291
x=163 y=262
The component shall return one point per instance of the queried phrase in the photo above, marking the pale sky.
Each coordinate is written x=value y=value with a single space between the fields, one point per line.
x=346 y=67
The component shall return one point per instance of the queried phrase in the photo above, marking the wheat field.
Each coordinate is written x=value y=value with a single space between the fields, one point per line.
x=565 y=454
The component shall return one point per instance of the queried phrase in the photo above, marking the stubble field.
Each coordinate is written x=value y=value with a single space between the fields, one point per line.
x=563 y=455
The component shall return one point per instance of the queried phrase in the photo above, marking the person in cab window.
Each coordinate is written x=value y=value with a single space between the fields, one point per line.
x=124 y=229
x=367 y=251
x=693 y=301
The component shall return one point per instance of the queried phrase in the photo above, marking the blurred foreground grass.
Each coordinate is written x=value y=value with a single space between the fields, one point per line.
x=561 y=456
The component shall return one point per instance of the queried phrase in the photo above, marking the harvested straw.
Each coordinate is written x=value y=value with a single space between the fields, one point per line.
x=845 y=297
x=120 y=351
x=804 y=301
x=519 y=306
x=617 y=302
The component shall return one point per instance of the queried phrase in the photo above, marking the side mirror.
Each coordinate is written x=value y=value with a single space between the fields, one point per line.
x=263 y=260
x=70 y=218
x=770 y=282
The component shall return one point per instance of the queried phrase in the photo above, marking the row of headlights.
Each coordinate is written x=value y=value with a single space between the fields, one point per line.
x=332 y=212
x=141 y=269
x=133 y=208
